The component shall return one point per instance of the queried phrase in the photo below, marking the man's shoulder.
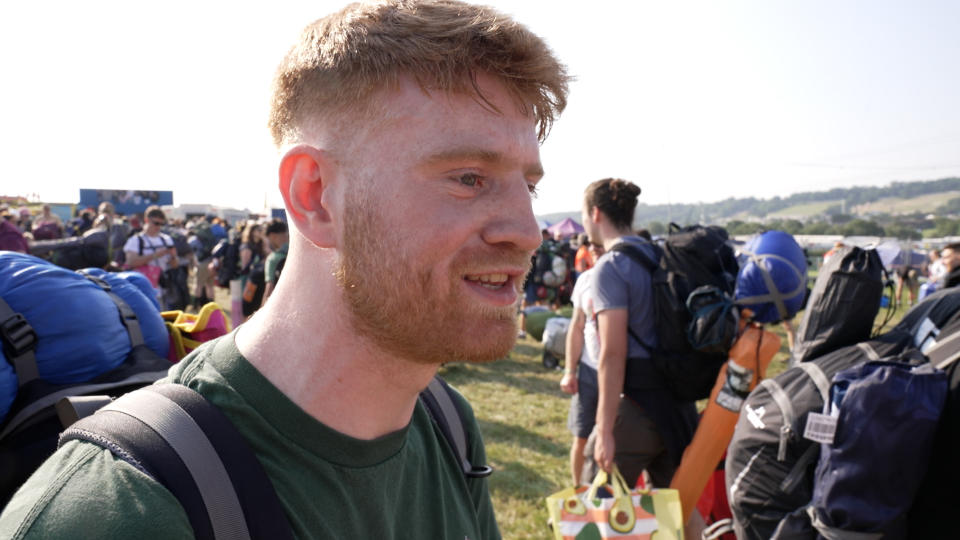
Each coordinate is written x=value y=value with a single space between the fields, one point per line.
x=85 y=491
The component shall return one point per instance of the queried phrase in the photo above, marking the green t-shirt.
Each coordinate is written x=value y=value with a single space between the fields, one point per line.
x=273 y=259
x=406 y=484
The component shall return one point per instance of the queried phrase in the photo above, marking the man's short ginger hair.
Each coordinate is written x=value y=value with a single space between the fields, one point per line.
x=341 y=60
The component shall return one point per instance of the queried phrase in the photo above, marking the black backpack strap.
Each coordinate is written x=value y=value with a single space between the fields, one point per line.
x=439 y=401
x=19 y=341
x=128 y=317
x=176 y=436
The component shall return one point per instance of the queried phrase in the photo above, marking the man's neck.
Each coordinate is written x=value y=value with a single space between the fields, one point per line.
x=315 y=358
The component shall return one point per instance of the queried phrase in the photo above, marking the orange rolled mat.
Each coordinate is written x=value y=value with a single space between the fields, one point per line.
x=749 y=357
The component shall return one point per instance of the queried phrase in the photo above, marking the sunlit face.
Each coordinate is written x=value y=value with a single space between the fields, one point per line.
x=152 y=225
x=593 y=232
x=439 y=227
x=950 y=258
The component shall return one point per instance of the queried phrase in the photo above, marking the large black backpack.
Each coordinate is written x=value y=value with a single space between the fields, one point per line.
x=770 y=465
x=843 y=304
x=933 y=508
x=691 y=257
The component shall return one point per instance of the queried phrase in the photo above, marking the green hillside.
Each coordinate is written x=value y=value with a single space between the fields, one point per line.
x=898 y=205
x=805 y=210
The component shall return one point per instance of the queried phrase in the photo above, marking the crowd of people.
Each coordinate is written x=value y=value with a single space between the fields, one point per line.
x=184 y=259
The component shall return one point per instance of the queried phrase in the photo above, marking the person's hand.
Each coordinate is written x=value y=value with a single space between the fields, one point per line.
x=604 y=450
x=569 y=382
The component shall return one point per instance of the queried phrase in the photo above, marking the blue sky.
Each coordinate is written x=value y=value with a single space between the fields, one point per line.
x=694 y=101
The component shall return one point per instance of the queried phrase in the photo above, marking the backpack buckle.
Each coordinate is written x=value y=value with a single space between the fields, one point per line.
x=18 y=336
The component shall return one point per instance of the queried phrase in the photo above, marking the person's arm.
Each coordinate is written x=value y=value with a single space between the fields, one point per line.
x=574 y=347
x=612 y=330
x=134 y=259
x=269 y=269
x=245 y=255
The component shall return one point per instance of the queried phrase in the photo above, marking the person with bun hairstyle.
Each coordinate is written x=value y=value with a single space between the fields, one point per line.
x=639 y=424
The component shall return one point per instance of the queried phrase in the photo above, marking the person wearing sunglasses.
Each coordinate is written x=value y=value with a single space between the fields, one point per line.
x=151 y=251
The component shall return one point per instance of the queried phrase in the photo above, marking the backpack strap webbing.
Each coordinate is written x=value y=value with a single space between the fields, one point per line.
x=128 y=317
x=19 y=341
x=438 y=399
x=774 y=295
x=187 y=444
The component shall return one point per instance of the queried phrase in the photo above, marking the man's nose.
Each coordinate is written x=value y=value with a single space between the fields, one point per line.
x=513 y=220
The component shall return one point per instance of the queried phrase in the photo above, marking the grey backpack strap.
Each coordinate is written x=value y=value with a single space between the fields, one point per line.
x=819 y=378
x=439 y=403
x=786 y=411
x=128 y=317
x=178 y=429
x=175 y=435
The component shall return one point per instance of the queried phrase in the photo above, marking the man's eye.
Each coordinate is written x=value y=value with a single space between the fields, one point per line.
x=469 y=179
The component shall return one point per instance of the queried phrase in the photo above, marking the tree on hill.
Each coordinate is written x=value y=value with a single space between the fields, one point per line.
x=951 y=207
x=861 y=227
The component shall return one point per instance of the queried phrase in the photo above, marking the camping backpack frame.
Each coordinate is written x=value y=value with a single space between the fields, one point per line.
x=691 y=257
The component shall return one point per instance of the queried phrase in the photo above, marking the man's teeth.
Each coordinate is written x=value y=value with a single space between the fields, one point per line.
x=490 y=281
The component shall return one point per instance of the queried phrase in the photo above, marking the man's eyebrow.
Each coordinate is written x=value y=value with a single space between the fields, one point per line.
x=480 y=155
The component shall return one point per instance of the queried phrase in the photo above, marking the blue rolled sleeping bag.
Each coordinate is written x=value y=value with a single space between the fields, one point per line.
x=142 y=282
x=79 y=331
x=773 y=279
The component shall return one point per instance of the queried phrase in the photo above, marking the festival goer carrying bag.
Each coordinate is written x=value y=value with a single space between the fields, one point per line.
x=691 y=257
x=615 y=512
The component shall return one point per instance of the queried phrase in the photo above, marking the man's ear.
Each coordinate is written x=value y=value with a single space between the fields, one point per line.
x=305 y=175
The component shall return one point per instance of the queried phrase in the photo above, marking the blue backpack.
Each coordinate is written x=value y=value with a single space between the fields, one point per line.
x=883 y=417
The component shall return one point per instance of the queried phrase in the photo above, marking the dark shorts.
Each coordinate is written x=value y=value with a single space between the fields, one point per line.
x=639 y=447
x=583 y=406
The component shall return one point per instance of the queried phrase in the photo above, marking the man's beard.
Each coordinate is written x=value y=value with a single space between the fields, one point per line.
x=399 y=307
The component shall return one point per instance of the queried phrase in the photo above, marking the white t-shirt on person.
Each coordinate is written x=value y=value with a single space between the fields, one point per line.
x=151 y=244
x=582 y=298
